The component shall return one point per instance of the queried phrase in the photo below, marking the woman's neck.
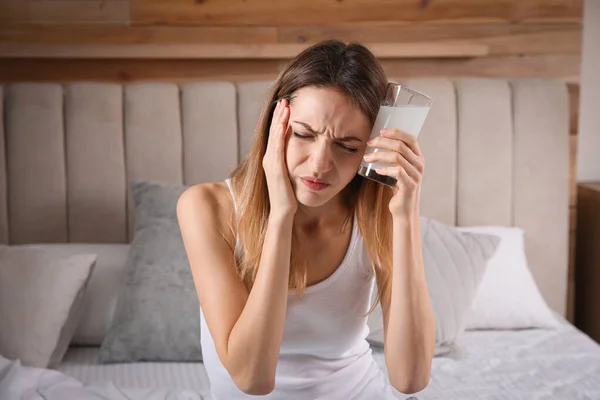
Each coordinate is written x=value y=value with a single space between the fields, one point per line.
x=329 y=216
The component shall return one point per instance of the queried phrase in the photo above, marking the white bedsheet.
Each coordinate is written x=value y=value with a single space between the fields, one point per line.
x=528 y=364
x=82 y=364
x=532 y=364
x=19 y=382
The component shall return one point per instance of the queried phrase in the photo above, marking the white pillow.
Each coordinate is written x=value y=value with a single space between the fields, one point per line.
x=508 y=297
x=454 y=263
x=41 y=296
x=100 y=297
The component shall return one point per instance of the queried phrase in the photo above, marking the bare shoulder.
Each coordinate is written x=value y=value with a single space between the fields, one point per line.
x=204 y=214
x=209 y=202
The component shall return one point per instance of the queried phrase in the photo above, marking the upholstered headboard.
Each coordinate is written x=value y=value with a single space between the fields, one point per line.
x=496 y=151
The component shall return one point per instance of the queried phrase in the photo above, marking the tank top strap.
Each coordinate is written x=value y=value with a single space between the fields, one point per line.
x=361 y=255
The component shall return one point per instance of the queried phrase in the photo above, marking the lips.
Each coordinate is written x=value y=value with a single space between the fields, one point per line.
x=314 y=184
x=316 y=181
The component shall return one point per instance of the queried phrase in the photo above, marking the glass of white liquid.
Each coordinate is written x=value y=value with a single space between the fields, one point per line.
x=404 y=109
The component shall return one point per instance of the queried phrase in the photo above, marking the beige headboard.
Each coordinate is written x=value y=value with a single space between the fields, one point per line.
x=497 y=153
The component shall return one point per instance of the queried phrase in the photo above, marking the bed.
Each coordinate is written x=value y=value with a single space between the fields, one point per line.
x=525 y=364
x=497 y=154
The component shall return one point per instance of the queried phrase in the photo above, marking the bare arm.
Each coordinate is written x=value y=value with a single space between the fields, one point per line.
x=247 y=328
x=255 y=339
x=409 y=327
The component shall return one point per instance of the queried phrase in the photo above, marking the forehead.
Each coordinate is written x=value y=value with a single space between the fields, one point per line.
x=325 y=108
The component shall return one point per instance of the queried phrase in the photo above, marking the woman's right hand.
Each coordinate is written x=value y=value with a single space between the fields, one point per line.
x=281 y=194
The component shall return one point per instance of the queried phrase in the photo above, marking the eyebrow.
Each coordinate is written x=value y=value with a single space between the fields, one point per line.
x=342 y=139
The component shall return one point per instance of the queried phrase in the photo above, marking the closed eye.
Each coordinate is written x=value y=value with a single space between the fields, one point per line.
x=349 y=149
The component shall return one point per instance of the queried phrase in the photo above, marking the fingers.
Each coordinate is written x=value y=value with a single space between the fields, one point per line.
x=275 y=126
x=280 y=115
x=399 y=146
x=410 y=140
x=394 y=159
x=276 y=116
x=399 y=173
x=285 y=116
x=282 y=127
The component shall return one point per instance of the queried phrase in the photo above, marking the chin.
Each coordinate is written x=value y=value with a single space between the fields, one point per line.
x=312 y=202
x=309 y=198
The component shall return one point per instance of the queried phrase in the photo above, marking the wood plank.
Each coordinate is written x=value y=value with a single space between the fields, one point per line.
x=574 y=107
x=572 y=286
x=399 y=32
x=116 y=34
x=64 y=11
x=552 y=66
x=228 y=51
x=56 y=70
x=571 y=302
x=573 y=130
x=331 y=12
x=501 y=39
x=573 y=170
x=535 y=43
x=572 y=243
x=527 y=66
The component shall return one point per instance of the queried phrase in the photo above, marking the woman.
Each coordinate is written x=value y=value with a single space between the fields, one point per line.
x=285 y=253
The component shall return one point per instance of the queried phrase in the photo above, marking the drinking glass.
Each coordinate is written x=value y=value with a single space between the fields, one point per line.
x=404 y=109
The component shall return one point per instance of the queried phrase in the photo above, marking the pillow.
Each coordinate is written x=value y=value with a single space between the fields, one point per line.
x=41 y=295
x=454 y=265
x=508 y=297
x=157 y=317
x=100 y=297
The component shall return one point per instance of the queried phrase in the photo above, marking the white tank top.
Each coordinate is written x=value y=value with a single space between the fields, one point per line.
x=324 y=353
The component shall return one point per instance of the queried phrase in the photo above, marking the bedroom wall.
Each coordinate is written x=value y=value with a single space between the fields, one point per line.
x=239 y=40
x=127 y=40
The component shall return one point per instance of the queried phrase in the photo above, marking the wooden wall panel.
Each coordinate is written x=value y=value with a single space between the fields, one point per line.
x=329 y=12
x=501 y=39
x=574 y=107
x=222 y=51
x=497 y=39
x=116 y=34
x=526 y=66
x=65 y=11
x=574 y=120
x=550 y=66
x=60 y=70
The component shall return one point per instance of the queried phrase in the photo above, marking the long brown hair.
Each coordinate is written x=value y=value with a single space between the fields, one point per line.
x=354 y=71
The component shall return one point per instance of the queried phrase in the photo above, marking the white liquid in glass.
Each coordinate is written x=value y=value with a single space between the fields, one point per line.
x=408 y=118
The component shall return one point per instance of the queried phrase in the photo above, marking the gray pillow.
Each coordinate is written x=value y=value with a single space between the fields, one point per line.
x=454 y=265
x=157 y=314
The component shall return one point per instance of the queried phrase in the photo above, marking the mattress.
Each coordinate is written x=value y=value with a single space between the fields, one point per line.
x=532 y=364
x=82 y=364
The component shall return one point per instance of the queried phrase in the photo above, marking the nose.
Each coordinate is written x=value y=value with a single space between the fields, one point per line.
x=321 y=158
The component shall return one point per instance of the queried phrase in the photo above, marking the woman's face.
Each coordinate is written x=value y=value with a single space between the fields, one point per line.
x=326 y=142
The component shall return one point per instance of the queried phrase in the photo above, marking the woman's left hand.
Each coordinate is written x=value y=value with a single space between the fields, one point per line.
x=406 y=166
